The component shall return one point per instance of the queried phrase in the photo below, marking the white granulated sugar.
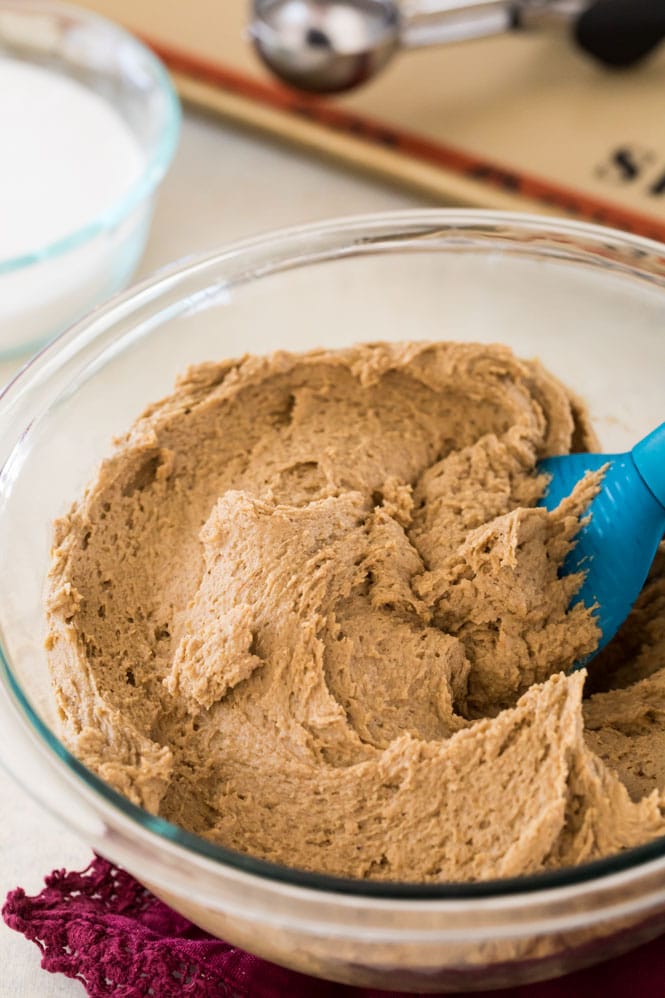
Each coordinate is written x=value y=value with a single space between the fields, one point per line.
x=66 y=156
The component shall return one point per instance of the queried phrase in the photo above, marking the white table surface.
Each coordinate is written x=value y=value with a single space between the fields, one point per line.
x=224 y=185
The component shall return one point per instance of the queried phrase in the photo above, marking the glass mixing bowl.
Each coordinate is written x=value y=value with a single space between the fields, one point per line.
x=589 y=302
x=43 y=291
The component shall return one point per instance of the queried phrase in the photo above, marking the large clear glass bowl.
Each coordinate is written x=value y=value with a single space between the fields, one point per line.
x=589 y=302
x=44 y=291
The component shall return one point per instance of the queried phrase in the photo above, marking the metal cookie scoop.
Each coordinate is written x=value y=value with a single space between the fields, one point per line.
x=617 y=542
x=326 y=46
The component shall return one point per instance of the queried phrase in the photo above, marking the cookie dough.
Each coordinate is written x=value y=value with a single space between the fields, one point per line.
x=311 y=610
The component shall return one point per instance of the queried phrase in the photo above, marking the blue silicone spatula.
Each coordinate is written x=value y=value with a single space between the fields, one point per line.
x=617 y=544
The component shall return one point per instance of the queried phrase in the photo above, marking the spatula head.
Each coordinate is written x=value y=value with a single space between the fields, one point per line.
x=618 y=540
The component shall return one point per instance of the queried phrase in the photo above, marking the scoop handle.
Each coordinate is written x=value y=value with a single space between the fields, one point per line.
x=621 y=32
x=649 y=459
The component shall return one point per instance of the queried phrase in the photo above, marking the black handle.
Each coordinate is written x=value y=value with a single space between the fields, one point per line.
x=621 y=32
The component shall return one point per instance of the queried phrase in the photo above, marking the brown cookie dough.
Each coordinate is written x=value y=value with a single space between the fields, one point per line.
x=311 y=610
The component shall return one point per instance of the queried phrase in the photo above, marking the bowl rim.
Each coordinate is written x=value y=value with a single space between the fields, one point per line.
x=643 y=258
x=155 y=166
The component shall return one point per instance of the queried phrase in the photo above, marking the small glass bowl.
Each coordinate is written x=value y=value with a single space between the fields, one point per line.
x=42 y=292
x=588 y=301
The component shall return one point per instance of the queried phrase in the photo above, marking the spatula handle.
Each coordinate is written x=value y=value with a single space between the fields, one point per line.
x=649 y=458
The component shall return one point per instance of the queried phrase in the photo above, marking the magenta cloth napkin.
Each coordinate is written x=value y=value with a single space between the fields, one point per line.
x=102 y=928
